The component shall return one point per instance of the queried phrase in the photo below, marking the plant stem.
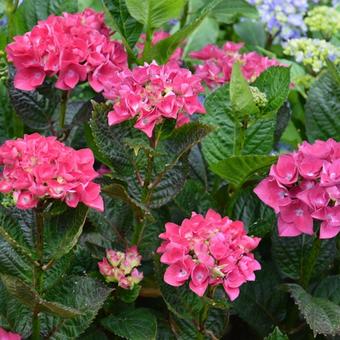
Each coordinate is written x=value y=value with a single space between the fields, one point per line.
x=63 y=107
x=38 y=272
x=310 y=263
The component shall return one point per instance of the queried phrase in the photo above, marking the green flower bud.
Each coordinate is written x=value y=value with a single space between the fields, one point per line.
x=259 y=97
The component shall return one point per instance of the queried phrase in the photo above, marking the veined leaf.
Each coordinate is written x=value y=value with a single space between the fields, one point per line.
x=30 y=298
x=322 y=316
x=132 y=324
x=237 y=169
x=154 y=13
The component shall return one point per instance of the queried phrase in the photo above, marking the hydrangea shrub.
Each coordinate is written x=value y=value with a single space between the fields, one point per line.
x=169 y=170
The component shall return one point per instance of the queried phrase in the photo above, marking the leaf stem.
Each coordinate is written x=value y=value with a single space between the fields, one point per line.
x=38 y=272
x=310 y=263
x=63 y=108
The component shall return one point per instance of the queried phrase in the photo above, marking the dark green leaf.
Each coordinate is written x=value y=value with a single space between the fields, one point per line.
x=30 y=298
x=34 y=108
x=129 y=28
x=329 y=288
x=134 y=324
x=262 y=304
x=322 y=316
x=258 y=218
x=322 y=109
x=184 y=329
x=82 y=293
x=63 y=231
x=291 y=255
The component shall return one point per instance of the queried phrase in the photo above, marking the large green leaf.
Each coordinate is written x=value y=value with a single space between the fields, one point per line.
x=229 y=10
x=14 y=315
x=30 y=298
x=258 y=218
x=329 y=288
x=154 y=13
x=237 y=169
x=35 y=108
x=109 y=139
x=166 y=47
x=322 y=109
x=251 y=32
x=129 y=28
x=132 y=324
x=274 y=82
x=241 y=98
x=63 y=231
x=322 y=316
x=262 y=304
x=291 y=255
x=205 y=33
x=184 y=329
x=81 y=293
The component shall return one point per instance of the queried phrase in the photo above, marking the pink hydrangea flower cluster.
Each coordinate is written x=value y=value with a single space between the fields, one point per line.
x=73 y=47
x=218 y=63
x=208 y=250
x=37 y=167
x=157 y=37
x=8 y=335
x=152 y=93
x=121 y=268
x=303 y=186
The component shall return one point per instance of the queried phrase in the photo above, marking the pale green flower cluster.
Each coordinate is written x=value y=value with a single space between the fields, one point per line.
x=312 y=53
x=259 y=97
x=323 y=19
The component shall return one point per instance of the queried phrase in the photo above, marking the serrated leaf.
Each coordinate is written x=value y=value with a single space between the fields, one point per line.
x=82 y=293
x=237 y=169
x=258 y=218
x=329 y=288
x=184 y=329
x=274 y=82
x=276 y=335
x=63 y=231
x=129 y=28
x=259 y=137
x=109 y=139
x=33 y=107
x=262 y=304
x=30 y=298
x=241 y=98
x=291 y=255
x=14 y=315
x=322 y=316
x=154 y=13
x=322 y=109
x=134 y=324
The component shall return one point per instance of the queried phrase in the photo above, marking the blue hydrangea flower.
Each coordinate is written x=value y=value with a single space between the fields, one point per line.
x=283 y=18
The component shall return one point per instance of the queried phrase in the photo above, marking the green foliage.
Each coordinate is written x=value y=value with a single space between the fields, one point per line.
x=323 y=108
x=133 y=324
x=276 y=335
x=292 y=254
x=153 y=13
x=322 y=316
